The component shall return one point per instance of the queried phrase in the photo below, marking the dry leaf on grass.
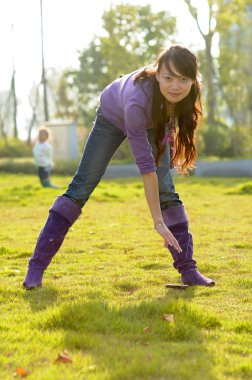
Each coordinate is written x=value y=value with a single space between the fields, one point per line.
x=9 y=354
x=21 y=372
x=63 y=358
x=149 y=356
x=167 y=317
x=146 y=329
x=56 y=277
x=131 y=291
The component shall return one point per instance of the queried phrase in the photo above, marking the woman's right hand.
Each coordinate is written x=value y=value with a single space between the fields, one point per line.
x=168 y=237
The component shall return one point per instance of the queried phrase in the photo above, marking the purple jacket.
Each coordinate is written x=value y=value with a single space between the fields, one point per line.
x=128 y=106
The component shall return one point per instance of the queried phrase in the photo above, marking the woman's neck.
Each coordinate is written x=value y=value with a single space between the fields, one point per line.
x=170 y=109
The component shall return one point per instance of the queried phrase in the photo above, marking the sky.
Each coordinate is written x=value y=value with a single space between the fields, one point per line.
x=69 y=25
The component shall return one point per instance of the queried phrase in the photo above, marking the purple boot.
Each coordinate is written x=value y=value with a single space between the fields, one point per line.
x=176 y=220
x=63 y=213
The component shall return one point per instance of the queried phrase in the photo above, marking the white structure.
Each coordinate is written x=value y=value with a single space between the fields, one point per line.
x=64 y=139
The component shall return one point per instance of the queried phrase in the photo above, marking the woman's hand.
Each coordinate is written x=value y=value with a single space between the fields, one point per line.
x=152 y=195
x=162 y=229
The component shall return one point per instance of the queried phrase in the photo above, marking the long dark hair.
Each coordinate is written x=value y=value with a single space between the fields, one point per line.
x=187 y=111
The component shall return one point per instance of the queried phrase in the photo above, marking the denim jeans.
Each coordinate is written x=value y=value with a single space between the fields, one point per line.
x=44 y=173
x=103 y=141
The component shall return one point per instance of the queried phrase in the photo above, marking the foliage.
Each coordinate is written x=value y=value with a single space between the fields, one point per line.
x=124 y=153
x=4 y=115
x=14 y=148
x=235 y=79
x=132 y=35
x=27 y=166
x=8 y=111
x=228 y=81
x=63 y=95
x=99 y=314
x=217 y=139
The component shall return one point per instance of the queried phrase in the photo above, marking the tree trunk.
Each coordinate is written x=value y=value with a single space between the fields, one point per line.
x=211 y=104
x=14 y=103
x=3 y=133
x=33 y=121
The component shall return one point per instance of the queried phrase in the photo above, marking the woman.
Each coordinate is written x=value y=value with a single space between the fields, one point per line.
x=146 y=106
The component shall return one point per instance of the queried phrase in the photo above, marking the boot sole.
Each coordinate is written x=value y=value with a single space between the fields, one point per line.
x=176 y=286
x=210 y=285
x=31 y=287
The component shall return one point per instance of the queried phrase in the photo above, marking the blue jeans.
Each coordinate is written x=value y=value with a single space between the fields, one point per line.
x=102 y=143
x=44 y=173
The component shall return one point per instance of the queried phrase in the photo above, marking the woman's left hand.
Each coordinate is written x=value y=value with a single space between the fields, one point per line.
x=169 y=238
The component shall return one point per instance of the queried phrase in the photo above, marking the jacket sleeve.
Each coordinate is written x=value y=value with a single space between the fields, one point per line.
x=136 y=122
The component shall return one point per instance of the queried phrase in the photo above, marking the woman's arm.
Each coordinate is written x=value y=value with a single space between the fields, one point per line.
x=152 y=196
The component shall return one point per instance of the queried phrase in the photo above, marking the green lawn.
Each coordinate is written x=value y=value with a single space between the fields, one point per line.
x=104 y=295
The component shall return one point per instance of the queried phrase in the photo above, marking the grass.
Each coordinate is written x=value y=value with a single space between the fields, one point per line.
x=104 y=295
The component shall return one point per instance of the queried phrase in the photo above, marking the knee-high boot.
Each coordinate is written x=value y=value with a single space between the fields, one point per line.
x=176 y=220
x=63 y=213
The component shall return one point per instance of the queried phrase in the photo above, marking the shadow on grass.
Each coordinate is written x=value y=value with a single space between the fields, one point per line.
x=41 y=298
x=135 y=342
x=243 y=189
x=181 y=294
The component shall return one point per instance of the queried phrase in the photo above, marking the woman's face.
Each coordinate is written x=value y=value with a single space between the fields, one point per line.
x=173 y=86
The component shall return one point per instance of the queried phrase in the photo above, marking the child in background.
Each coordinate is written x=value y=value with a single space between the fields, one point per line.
x=42 y=153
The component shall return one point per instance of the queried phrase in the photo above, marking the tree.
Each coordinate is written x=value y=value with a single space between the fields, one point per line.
x=223 y=17
x=13 y=98
x=34 y=103
x=8 y=112
x=3 y=117
x=209 y=61
x=235 y=79
x=62 y=95
x=130 y=40
x=222 y=14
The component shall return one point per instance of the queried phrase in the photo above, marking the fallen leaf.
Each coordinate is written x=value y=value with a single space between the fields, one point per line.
x=146 y=329
x=21 y=372
x=9 y=354
x=63 y=358
x=131 y=291
x=145 y=343
x=168 y=317
x=149 y=356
